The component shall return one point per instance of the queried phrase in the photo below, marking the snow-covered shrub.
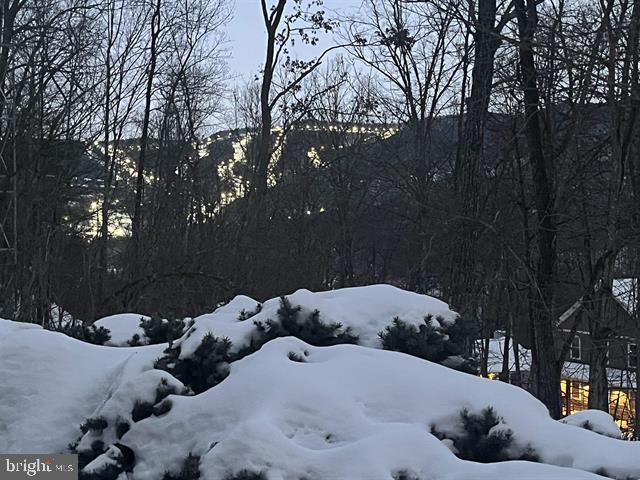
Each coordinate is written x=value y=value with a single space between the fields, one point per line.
x=162 y=407
x=89 y=334
x=296 y=357
x=289 y=324
x=91 y=429
x=190 y=469
x=108 y=471
x=434 y=341
x=207 y=367
x=141 y=410
x=117 y=459
x=246 y=475
x=97 y=424
x=484 y=437
x=161 y=330
x=209 y=363
x=122 y=427
x=159 y=406
x=87 y=455
x=405 y=475
x=247 y=314
x=481 y=440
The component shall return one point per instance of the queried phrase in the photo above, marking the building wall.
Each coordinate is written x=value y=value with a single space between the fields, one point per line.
x=618 y=351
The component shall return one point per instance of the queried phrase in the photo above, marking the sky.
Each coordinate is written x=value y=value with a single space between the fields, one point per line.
x=246 y=33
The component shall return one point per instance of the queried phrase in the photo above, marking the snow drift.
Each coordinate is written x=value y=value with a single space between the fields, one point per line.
x=289 y=410
x=122 y=327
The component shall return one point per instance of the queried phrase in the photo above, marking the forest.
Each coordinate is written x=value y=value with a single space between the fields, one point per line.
x=485 y=152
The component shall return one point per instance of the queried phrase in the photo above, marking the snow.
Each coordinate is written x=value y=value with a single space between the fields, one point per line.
x=122 y=327
x=367 y=310
x=7 y=326
x=348 y=412
x=358 y=413
x=51 y=383
x=596 y=420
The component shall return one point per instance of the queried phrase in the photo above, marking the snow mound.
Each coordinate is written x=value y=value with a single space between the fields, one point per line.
x=357 y=413
x=51 y=383
x=366 y=310
x=122 y=327
x=595 y=420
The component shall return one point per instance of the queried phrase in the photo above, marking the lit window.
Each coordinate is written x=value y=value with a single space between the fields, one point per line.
x=576 y=391
x=632 y=354
x=576 y=348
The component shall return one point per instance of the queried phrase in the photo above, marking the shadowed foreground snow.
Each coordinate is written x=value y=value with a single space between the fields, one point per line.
x=345 y=412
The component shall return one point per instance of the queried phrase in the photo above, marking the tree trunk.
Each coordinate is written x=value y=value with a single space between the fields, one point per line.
x=263 y=142
x=546 y=382
x=505 y=374
x=599 y=315
x=136 y=224
x=487 y=41
x=106 y=196
x=598 y=382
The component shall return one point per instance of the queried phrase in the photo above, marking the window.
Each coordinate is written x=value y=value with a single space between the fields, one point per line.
x=576 y=391
x=576 y=350
x=632 y=354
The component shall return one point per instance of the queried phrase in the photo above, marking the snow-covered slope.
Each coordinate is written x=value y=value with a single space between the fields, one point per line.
x=289 y=410
x=122 y=327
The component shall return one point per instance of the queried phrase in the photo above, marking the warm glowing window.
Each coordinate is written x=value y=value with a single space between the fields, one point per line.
x=576 y=348
x=576 y=390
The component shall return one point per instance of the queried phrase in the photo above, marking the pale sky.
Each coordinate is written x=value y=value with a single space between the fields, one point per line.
x=247 y=34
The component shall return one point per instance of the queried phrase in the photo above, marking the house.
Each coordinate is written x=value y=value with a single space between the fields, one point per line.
x=623 y=326
x=622 y=357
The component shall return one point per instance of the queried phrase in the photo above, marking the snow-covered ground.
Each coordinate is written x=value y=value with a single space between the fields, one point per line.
x=290 y=410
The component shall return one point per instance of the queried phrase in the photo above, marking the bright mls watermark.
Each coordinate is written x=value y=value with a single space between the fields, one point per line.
x=32 y=466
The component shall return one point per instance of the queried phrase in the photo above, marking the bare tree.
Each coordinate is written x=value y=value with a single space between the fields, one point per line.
x=411 y=49
x=136 y=223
